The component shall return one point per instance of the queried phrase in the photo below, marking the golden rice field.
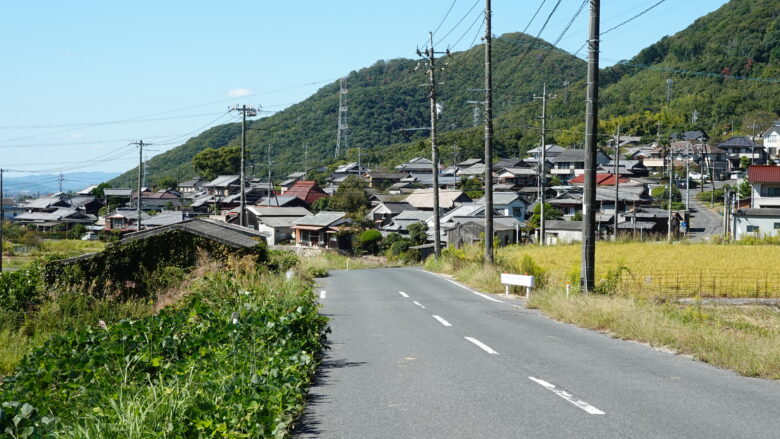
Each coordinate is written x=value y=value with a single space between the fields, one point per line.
x=651 y=269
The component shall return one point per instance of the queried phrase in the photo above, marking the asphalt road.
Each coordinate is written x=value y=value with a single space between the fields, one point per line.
x=414 y=355
x=705 y=223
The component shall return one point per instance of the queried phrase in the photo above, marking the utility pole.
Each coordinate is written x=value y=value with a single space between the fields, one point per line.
x=60 y=179
x=617 y=180
x=688 y=181
x=343 y=126
x=140 y=145
x=489 y=135
x=251 y=112
x=430 y=55
x=270 y=185
x=587 y=273
x=305 y=160
x=669 y=83
x=2 y=218
x=669 y=205
x=543 y=163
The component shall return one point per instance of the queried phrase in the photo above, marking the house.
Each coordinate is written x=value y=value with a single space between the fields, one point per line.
x=385 y=211
x=426 y=180
x=164 y=199
x=352 y=168
x=571 y=163
x=124 y=219
x=470 y=162
x=383 y=179
x=226 y=234
x=756 y=222
x=417 y=165
x=472 y=231
x=509 y=163
x=509 y=204
x=223 y=185
x=550 y=153
x=307 y=191
x=64 y=217
x=87 y=190
x=275 y=222
x=192 y=186
x=281 y=201
x=48 y=204
x=650 y=220
x=765 y=182
x=321 y=230
x=562 y=232
x=739 y=147
x=772 y=140
x=512 y=178
x=10 y=209
x=401 y=222
x=601 y=180
x=87 y=203
x=116 y=196
x=291 y=179
x=626 y=168
x=422 y=199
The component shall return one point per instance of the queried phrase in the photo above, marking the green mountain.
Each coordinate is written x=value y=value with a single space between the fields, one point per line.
x=384 y=100
x=725 y=72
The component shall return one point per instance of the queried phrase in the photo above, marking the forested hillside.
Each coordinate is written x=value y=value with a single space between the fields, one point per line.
x=725 y=71
x=384 y=99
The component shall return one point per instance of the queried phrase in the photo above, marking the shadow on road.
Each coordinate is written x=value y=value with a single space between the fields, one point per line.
x=307 y=424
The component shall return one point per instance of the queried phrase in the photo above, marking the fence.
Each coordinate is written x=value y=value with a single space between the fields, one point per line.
x=682 y=284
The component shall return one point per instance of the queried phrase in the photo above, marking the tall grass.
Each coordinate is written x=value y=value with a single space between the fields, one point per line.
x=649 y=269
x=745 y=339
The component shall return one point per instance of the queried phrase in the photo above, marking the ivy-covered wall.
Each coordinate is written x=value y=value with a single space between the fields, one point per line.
x=127 y=269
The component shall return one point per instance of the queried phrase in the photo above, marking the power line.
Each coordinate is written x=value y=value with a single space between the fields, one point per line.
x=458 y=23
x=447 y=14
x=623 y=23
x=534 y=16
x=480 y=16
x=549 y=16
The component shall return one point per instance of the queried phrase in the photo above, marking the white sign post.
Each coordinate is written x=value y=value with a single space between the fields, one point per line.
x=517 y=280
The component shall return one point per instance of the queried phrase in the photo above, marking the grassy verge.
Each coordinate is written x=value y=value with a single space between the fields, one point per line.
x=233 y=358
x=66 y=248
x=744 y=339
x=319 y=265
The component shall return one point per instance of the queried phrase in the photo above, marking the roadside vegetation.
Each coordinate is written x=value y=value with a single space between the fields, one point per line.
x=225 y=349
x=22 y=246
x=638 y=287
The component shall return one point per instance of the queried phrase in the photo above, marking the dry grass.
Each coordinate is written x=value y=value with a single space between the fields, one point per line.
x=650 y=269
x=744 y=339
x=319 y=265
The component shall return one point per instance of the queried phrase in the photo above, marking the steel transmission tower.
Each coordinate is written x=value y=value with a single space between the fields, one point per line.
x=342 y=137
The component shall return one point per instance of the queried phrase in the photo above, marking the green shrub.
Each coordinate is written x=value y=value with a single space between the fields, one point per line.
x=234 y=360
x=19 y=290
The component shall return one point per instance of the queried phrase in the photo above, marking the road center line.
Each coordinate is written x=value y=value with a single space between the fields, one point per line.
x=442 y=321
x=481 y=345
x=418 y=304
x=568 y=396
x=403 y=294
x=323 y=294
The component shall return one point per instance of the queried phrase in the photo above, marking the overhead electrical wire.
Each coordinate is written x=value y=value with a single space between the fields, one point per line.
x=563 y=32
x=549 y=16
x=479 y=17
x=625 y=22
x=458 y=23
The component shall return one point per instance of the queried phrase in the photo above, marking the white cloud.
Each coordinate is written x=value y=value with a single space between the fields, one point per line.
x=239 y=92
x=76 y=135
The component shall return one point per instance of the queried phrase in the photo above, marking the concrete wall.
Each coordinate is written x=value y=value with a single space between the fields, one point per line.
x=766 y=226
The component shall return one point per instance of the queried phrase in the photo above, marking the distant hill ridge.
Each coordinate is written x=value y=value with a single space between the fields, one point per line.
x=740 y=38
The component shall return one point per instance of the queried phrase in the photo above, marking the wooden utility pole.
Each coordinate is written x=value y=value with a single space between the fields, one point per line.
x=671 y=185
x=488 y=135
x=2 y=218
x=617 y=181
x=140 y=145
x=430 y=61
x=245 y=111
x=543 y=164
x=587 y=273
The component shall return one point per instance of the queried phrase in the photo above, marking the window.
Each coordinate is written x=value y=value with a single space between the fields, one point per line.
x=752 y=229
x=777 y=226
x=517 y=212
x=772 y=192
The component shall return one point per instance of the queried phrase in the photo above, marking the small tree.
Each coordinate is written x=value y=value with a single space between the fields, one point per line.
x=744 y=163
x=550 y=213
x=418 y=233
x=351 y=196
x=320 y=205
x=369 y=241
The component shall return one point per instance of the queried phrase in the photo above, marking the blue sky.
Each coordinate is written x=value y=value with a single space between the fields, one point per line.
x=81 y=79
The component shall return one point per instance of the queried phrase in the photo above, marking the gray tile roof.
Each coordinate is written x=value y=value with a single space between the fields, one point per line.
x=223 y=181
x=119 y=192
x=278 y=211
x=416 y=215
x=224 y=233
x=321 y=219
x=503 y=198
x=563 y=225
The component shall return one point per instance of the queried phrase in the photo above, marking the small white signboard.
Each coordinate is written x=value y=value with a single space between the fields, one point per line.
x=519 y=280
